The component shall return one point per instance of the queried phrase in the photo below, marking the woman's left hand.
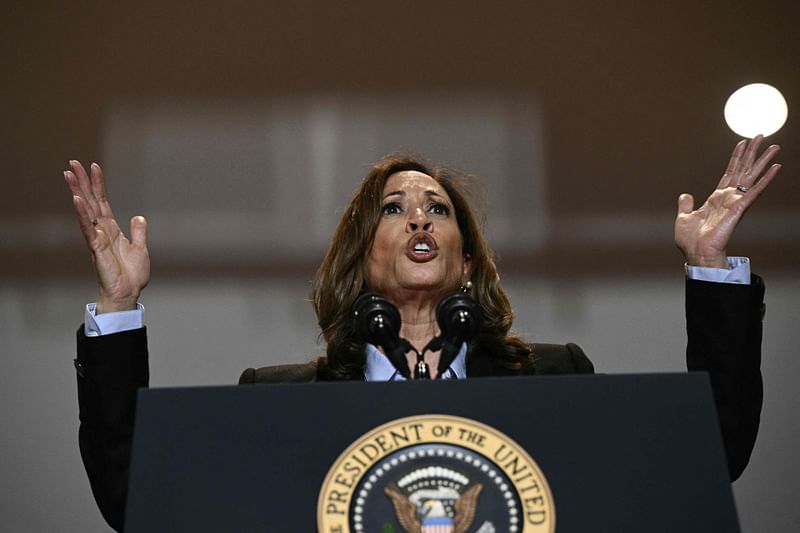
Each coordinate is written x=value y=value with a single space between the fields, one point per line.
x=702 y=234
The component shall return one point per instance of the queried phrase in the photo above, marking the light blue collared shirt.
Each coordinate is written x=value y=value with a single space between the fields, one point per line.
x=379 y=368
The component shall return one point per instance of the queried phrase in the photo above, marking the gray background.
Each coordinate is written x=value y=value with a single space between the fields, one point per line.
x=241 y=131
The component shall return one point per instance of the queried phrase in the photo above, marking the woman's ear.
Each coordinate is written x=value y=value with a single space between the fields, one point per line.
x=467 y=269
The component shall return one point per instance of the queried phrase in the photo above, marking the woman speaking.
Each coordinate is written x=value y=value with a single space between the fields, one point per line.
x=410 y=235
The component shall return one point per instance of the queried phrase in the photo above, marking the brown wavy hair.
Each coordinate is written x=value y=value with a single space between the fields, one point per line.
x=340 y=278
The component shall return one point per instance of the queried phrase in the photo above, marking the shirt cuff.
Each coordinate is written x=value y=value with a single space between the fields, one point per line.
x=738 y=272
x=95 y=325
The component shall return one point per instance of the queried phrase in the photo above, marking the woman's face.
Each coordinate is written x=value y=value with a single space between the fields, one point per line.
x=417 y=244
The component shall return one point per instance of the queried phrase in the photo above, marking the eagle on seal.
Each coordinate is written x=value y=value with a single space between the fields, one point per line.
x=434 y=517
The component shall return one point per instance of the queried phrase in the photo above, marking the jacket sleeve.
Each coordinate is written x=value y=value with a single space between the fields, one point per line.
x=110 y=368
x=724 y=328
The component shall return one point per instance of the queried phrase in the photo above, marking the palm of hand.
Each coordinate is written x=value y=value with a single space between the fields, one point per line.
x=703 y=233
x=123 y=267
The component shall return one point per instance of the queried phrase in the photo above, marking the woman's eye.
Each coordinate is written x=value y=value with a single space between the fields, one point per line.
x=439 y=209
x=391 y=209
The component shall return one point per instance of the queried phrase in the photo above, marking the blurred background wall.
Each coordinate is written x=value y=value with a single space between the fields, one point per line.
x=240 y=131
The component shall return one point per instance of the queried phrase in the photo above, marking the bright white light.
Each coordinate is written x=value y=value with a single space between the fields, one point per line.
x=756 y=108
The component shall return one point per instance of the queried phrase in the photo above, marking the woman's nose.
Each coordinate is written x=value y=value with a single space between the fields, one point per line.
x=419 y=220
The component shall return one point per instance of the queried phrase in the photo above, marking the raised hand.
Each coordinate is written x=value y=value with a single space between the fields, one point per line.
x=122 y=266
x=702 y=234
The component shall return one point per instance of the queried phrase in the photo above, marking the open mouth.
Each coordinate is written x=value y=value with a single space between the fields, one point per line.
x=421 y=247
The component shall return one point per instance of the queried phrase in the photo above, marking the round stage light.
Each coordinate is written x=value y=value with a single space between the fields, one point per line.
x=756 y=108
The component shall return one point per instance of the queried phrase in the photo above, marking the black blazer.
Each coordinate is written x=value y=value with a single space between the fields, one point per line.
x=549 y=359
x=724 y=338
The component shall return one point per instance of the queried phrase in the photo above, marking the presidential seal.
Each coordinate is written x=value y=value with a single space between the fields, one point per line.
x=435 y=474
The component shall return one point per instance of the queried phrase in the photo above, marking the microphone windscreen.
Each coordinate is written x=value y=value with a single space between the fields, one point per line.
x=460 y=318
x=377 y=320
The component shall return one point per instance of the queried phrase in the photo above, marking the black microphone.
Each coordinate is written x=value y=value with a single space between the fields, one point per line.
x=460 y=319
x=378 y=322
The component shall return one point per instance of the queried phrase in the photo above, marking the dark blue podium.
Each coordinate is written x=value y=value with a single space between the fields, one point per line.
x=627 y=453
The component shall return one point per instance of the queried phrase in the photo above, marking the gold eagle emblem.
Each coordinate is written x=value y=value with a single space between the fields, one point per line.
x=408 y=513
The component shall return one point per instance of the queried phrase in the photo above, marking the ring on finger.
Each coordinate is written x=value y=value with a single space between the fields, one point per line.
x=743 y=178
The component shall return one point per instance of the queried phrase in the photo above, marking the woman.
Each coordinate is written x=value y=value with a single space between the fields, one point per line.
x=410 y=234
x=424 y=242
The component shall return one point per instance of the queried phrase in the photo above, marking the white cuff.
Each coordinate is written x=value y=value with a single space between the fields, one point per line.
x=95 y=325
x=738 y=272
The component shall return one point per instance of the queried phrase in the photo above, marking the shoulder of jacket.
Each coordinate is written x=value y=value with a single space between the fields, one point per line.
x=292 y=373
x=561 y=359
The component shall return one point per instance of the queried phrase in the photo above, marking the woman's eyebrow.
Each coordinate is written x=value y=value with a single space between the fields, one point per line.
x=429 y=192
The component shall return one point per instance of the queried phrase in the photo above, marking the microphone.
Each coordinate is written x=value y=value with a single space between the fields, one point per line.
x=460 y=319
x=378 y=322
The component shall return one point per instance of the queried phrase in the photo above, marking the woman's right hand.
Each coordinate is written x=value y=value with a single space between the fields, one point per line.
x=122 y=266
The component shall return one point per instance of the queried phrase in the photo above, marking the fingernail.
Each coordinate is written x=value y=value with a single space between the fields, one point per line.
x=94 y=165
x=66 y=175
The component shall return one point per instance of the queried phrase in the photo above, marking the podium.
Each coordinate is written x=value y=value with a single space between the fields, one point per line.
x=620 y=453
